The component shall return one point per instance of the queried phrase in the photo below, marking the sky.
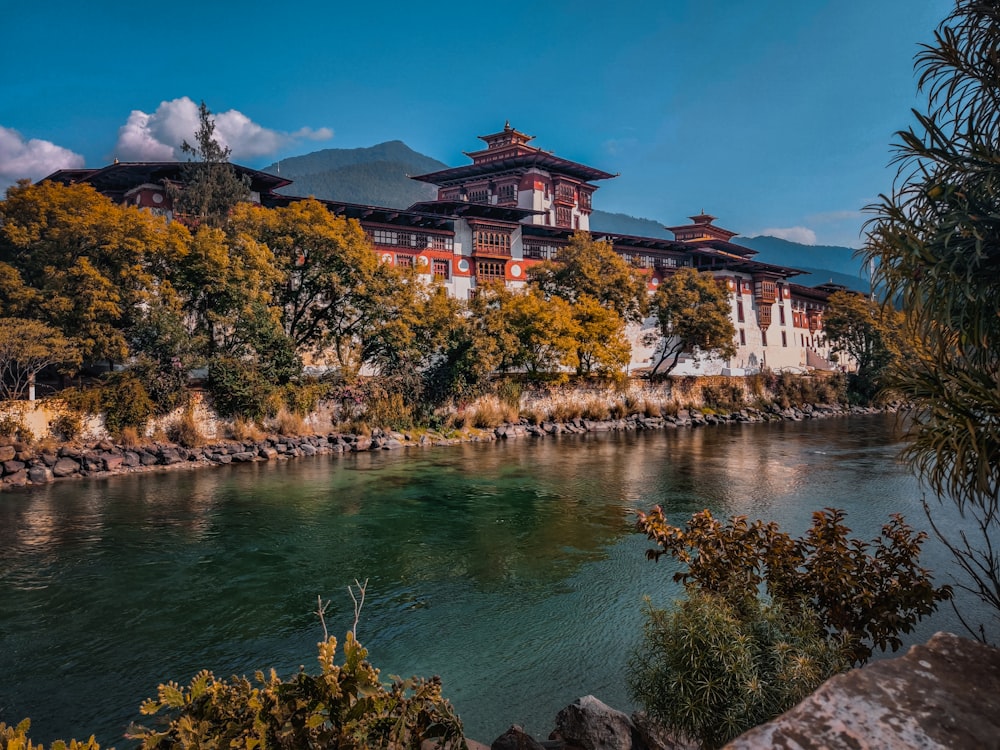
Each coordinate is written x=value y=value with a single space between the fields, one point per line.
x=776 y=116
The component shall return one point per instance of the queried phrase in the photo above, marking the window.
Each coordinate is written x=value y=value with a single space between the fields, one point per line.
x=564 y=216
x=565 y=193
x=743 y=337
x=487 y=271
x=781 y=314
x=540 y=252
x=441 y=270
x=491 y=241
x=385 y=237
x=404 y=261
x=763 y=336
x=739 y=311
x=784 y=340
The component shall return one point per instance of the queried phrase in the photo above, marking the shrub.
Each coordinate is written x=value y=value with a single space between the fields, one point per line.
x=238 y=389
x=14 y=426
x=533 y=416
x=244 y=429
x=651 y=409
x=619 y=410
x=566 y=411
x=184 y=431
x=489 y=411
x=509 y=393
x=126 y=403
x=303 y=398
x=16 y=738
x=66 y=426
x=129 y=437
x=595 y=409
x=388 y=410
x=290 y=423
x=709 y=671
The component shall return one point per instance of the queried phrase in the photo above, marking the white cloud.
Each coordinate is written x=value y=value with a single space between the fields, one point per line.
x=802 y=235
x=32 y=159
x=158 y=136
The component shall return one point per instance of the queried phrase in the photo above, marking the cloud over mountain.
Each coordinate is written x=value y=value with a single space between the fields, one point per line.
x=802 y=235
x=157 y=136
x=31 y=158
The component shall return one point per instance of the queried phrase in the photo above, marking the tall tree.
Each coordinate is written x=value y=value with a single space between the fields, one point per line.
x=75 y=260
x=867 y=332
x=593 y=269
x=935 y=241
x=26 y=348
x=692 y=315
x=210 y=186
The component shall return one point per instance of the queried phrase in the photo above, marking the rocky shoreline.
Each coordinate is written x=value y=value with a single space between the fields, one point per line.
x=24 y=465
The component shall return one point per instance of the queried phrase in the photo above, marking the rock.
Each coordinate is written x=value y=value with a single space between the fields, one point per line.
x=148 y=459
x=267 y=453
x=40 y=474
x=652 y=736
x=245 y=456
x=516 y=738
x=12 y=466
x=65 y=467
x=170 y=456
x=17 y=479
x=361 y=444
x=7 y=452
x=391 y=444
x=589 y=724
x=113 y=462
x=943 y=694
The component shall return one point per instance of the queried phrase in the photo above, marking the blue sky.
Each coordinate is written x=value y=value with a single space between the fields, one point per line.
x=776 y=115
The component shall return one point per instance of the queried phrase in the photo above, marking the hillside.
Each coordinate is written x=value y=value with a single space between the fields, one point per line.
x=379 y=176
x=375 y=176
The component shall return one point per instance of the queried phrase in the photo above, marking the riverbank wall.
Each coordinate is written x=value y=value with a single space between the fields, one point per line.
x=24 y=464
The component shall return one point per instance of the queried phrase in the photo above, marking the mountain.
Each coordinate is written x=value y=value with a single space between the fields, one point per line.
x=379 y=176
x=375 y=176
x=823 y=263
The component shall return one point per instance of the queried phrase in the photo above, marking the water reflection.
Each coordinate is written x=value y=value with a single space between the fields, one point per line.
x=508 y=568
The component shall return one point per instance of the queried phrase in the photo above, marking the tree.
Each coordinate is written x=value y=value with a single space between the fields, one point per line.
x=935 y=243
x=26 y=348
x=592 y=269
x=692 y=315
x=602 y=346
x=210 y=186
x=75 y=260
x=866 y=331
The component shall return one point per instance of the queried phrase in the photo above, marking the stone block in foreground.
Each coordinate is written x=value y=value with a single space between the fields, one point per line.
x=943 y=694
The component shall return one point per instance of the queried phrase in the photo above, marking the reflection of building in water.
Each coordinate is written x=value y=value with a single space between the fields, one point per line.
x=515 y=205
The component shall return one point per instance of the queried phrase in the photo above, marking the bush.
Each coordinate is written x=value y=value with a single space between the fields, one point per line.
x=243 y=429
x=566 y=411
x=238 y=389
x=66 y=426
x=709 y=671
x=489 y=411
x=185 y=431
x=290 y=423
x=344 y=707
x=126 y=403
x=16 y=738
x=596 y=410
x=14 y=426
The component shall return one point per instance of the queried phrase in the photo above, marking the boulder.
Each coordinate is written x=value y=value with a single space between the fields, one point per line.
x=170 y=456
x=65 y=467
x=516 y=738
x=17 y=479
x=7 y=452
x=12 y=466
x=40 y=474
x=652 y=736
x=113 y=462
x=267 y=453
x=589 y=724
x=943 y=694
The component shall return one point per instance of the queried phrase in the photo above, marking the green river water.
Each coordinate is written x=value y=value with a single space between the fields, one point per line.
x=508 y=568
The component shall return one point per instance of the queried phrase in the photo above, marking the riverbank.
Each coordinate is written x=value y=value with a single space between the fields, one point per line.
x=25 y=465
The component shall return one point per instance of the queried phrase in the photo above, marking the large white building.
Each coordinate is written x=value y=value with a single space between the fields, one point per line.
x=516 y=205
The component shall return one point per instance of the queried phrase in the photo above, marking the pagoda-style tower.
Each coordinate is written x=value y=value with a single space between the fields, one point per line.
x=702 y=229
x=511 y=173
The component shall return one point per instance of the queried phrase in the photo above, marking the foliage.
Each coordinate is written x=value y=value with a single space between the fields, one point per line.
x=867 y=332
x=26 y=348
x=709 y=671
x=16 y=738
x=602 y=347
x=125 y=402
x=14 y=426
x=71 y=258
x=346 y=706
x=936 y=243
x=210 y=187
x=66 y=426
x=184 y=430
x=692 y=315
x=238 y=388
x=585 y=268
x=864 y=594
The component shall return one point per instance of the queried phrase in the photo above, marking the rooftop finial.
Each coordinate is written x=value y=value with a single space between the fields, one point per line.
x=506 y=124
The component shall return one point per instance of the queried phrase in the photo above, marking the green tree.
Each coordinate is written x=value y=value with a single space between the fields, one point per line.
x=867 y=332
x=593 y=269
x=26 y=348
x=935 y=243
x=210 y=186
x=692 y=315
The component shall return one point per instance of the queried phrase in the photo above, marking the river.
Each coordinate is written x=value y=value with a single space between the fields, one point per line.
x=508 y=568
